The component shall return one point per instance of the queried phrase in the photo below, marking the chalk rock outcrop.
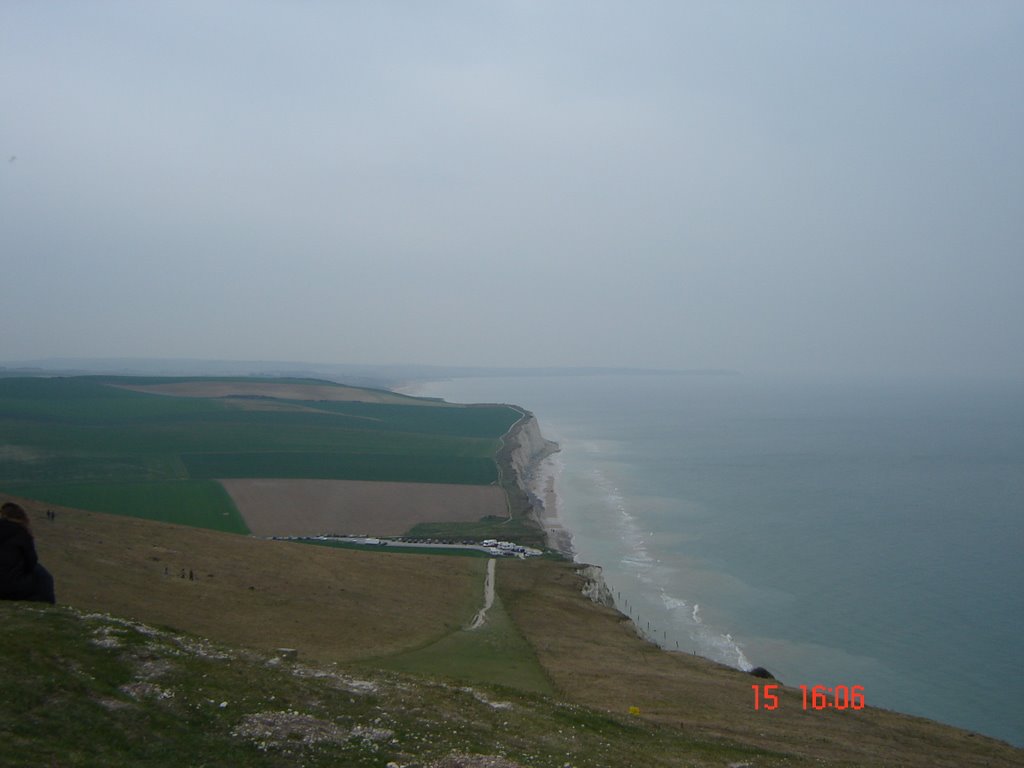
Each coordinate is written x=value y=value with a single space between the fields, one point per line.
x=594 y=587
x=527 y=449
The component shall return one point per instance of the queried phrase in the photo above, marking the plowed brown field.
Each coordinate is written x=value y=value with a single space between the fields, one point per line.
x=289 y=507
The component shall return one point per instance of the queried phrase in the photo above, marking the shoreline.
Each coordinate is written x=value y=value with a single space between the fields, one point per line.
x=531 y=460
x=544 y=499
x=537 y=479
x=537 y=471
x=602 y=530
x=529 y=457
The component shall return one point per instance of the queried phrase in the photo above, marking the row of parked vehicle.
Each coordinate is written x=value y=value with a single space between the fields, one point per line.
x=491 y=546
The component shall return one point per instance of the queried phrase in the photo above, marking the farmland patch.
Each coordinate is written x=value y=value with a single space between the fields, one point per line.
x=288 y=390
x=381 y=467
x=201 y=504
x=94 y=443
x=293 y=507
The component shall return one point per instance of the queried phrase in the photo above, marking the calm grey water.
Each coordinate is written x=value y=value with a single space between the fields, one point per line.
x=837 y=533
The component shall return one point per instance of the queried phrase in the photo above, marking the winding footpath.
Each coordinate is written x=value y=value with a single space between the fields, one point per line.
x=481 y=616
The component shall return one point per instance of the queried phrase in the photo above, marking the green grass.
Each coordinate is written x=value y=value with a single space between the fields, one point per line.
x=227 y=431
x=494 y=654
x=92 y=691
x=465 y=470
x=515 y=529
x=399 y=549
x=87 y=400
x=201 y=504
x=84 y=415
x=142 y=381
x=80 y=704
x=473 y=421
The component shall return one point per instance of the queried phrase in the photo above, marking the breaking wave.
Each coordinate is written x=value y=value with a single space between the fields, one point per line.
x=682 y=618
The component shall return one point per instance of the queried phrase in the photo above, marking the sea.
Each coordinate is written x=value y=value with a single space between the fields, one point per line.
x=836 y=532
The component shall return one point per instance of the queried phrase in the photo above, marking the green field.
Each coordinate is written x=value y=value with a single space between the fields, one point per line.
x=393 y=548
x=81 y=441
x=466 y=470
x=517 y=528
x=203 y=504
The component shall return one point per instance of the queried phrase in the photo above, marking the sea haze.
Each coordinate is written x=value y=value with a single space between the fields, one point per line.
x=837 y=533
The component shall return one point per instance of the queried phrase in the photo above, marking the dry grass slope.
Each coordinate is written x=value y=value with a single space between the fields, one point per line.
x=350 y=606
x=335 y=605
x=594 y=657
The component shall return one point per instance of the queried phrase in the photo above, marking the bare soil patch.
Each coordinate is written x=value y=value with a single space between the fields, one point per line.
x=284 y=391
x=291 y=507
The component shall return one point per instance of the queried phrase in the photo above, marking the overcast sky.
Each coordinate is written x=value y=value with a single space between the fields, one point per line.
x=764 y=186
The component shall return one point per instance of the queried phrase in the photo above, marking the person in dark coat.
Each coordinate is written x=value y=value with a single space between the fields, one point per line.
x=21 y=575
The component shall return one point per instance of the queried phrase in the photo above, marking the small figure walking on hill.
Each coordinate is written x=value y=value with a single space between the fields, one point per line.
x=21 y=575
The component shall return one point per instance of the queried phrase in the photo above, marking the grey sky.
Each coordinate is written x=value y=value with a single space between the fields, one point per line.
x=804 y=186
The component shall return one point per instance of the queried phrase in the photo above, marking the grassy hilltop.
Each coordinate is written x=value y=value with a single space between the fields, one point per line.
x=164 y=650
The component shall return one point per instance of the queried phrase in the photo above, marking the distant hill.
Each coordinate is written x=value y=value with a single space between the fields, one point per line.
x=381 y=376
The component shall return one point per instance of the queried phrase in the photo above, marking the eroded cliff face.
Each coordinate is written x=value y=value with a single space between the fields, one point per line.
x=529 y=482
x=527 y=449
x=594 y=586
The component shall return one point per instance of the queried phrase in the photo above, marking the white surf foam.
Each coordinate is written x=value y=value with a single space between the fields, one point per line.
x=637 y=557
x=640 y=565
x=707 y=640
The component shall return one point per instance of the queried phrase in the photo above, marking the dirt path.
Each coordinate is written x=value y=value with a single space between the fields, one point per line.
x=481 y=616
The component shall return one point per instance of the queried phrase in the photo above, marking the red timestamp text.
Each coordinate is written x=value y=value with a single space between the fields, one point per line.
x=840 y=697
